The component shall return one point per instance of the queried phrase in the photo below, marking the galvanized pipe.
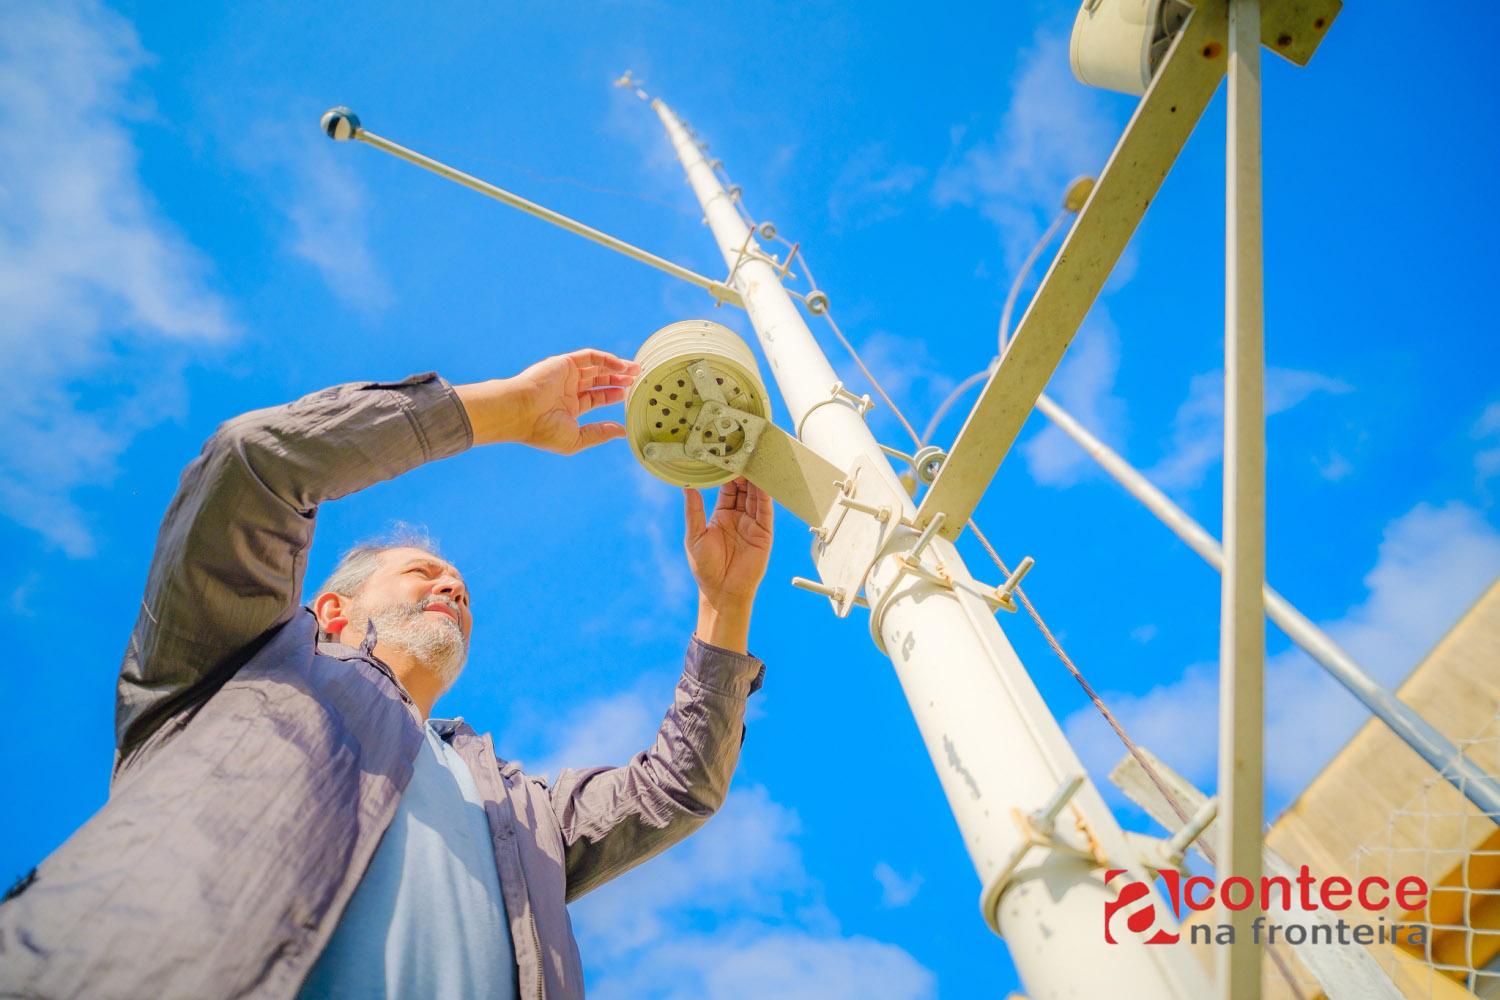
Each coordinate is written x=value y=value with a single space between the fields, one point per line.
x=1242 y=625
x=343 y=125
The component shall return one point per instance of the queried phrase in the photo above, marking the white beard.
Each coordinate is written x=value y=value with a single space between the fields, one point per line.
x=438 y=645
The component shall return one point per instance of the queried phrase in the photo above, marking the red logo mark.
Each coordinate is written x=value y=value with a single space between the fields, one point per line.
x=1134 y=906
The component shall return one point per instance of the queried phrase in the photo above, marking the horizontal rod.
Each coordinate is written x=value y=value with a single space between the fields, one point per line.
x=719 y=290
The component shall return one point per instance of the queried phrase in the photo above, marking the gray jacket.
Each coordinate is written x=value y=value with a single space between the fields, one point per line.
x=256 y=770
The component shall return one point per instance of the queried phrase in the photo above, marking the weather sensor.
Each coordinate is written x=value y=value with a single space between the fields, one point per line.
x=1117 y=44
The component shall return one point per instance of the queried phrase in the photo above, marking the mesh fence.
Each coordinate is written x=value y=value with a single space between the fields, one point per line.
x=1441 y=836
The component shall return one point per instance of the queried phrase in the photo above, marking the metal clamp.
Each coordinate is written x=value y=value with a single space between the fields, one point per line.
x=838 y=394
x=747 y=252
x=1175 y=849
x=834 y=594
x=1003 y=596
x=1038 y=829
x=925 y=464
x=928 y=462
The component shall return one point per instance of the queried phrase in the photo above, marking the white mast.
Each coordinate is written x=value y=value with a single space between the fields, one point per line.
x=997 y=749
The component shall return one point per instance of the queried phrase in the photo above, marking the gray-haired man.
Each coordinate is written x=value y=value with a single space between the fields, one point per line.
x=286 y=819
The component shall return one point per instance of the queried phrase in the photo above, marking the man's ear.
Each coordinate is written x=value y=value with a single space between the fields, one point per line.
x=332 y=611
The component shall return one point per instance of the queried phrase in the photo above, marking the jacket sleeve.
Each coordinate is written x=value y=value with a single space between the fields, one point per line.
x=232 y=549
x=612 y=819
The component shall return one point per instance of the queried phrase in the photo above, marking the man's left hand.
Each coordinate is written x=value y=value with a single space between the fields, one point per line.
x=728 y=555
x=542 y=404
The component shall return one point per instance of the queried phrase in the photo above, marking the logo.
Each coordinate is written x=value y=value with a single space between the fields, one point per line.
x=1134 y=906
x=1135 y=913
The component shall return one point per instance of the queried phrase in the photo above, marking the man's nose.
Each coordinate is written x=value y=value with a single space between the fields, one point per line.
x=451 y=587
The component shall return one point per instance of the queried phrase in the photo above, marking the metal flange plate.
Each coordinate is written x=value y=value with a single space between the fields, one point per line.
x=849 y=540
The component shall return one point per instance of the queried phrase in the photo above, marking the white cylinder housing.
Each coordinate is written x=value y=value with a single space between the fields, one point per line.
x=1117 y=44
x=663 y=402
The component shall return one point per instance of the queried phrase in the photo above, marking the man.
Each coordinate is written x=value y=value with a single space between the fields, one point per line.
x=285 y=818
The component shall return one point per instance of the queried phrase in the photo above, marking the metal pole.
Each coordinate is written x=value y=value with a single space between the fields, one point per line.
x=1242 y=613
x=342 y=125
x=997 y=749
x=1408 y=726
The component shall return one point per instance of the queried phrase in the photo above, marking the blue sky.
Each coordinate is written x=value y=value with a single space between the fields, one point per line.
x=178 y=243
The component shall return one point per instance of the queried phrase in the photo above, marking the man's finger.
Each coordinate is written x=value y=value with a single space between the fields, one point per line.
x=727 y=493
x=598 y=433
x=590 y=356
x=693 y=512
x=590 y=398
x=605 y=379
x=762 y=507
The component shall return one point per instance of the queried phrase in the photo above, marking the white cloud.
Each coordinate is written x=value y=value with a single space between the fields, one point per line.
x=1486 y=431
x=1144 y=633
x=1053 y=130
x=324 y=206
x=786 y=964
x=603 y=732
x=896 y=890
x=1433 y=562
x=730 y=912
x=103 y=299
x=1084 y=386
x=907 y=369
x=1335 y=468
x=869 y=189
x=1198 y=427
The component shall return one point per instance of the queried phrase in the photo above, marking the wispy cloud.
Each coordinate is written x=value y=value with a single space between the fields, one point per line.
x=870 y=189
x=1053 y=130
x=1433 y=563
x=103 y=299
x=323 y=208
x=896 y=890
x=1486 y=431
x=1198 y=428
x=730 y=912
x=1084 y=386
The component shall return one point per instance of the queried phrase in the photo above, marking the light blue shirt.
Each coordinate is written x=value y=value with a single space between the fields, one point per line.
x=427 y=919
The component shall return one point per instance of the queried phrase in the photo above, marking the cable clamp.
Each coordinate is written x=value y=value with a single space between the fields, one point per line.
x=1038 y=829
x=838 y=394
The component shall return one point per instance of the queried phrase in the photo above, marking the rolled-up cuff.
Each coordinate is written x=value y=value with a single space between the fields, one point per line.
x=724 y=671
x=436 y=413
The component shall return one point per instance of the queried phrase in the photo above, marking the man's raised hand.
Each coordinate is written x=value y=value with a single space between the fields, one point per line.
x=728 y=554
x=542 y=404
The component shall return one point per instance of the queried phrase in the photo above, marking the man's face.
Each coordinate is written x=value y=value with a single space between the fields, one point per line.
x=419 y=604
x=413 y=578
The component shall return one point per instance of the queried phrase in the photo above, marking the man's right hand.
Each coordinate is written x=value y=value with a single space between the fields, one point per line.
x=542 y=404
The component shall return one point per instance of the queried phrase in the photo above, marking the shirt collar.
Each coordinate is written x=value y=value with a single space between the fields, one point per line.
x=445 y=728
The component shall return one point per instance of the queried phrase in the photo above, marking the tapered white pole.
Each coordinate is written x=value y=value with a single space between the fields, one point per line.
x=997 y=749
x=1242 y=612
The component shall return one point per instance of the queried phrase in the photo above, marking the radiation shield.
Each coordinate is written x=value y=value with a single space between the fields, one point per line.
x=698 y=415
x=665 y=402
